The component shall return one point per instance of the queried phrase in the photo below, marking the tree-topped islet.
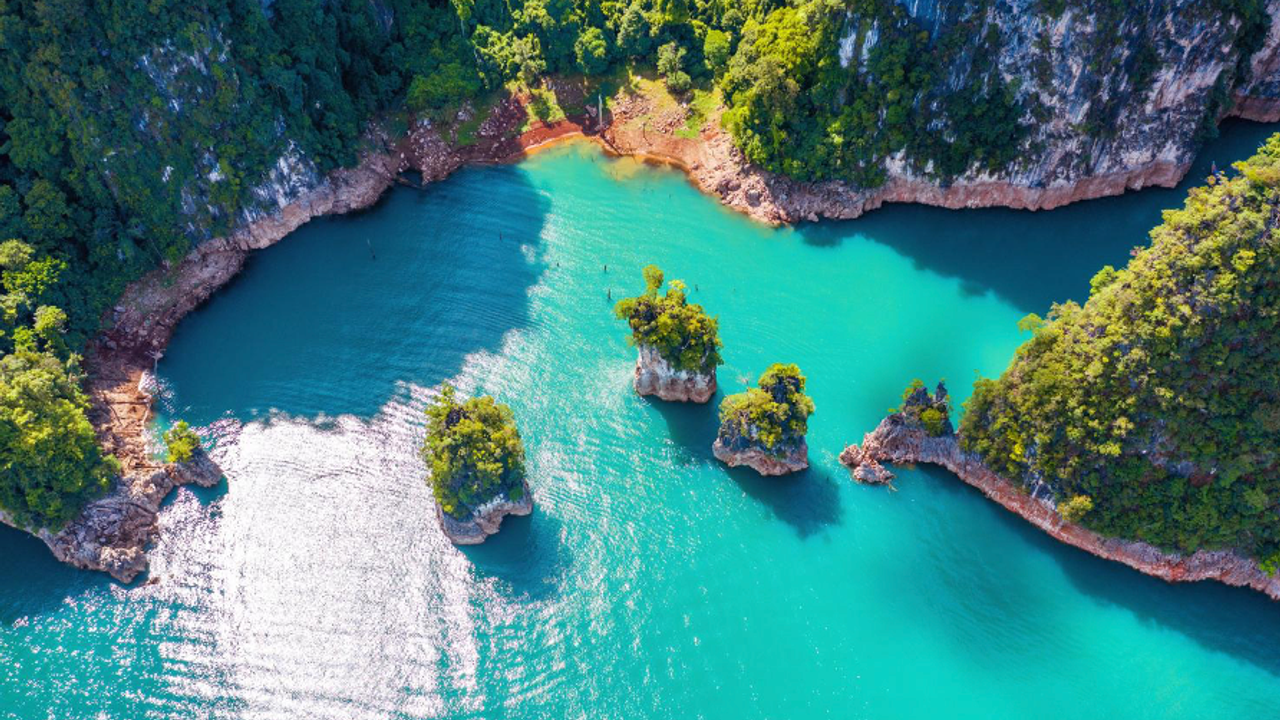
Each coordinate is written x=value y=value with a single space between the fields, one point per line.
x=476 y=460
x=678 y=343
x=764 y=427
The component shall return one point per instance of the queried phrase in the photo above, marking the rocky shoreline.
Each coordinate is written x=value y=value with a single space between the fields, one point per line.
x=112 y=533
x=766 y=463
x=485 y=520
x=655 y=376
x=895 y=441
x=141 y=323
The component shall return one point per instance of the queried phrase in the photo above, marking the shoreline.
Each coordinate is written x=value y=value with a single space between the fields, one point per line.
x=894 y=442
x=118 y=362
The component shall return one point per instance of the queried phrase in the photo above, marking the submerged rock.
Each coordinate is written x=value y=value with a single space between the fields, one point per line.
x=655 y=376
x=485 y=520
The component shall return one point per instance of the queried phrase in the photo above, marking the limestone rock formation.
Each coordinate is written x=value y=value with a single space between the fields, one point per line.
x=655 y=376
x=485 y=520
x=764 y=428
x=896 y=440
x=793 y=458
x=864 y=468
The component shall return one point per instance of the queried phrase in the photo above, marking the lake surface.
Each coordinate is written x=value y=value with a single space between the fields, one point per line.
x=651 y=582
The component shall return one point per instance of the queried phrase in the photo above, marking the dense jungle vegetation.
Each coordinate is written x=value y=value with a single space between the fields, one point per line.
x=683 y=334
x=474 y=452
x=132 y=129
x=1153 y=410
x=773 y=416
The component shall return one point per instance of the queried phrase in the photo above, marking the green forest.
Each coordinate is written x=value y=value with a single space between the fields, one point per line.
x=773 y=416
x=1153 y=410
x=474 y=452
x=132 y=130
x=684 y=335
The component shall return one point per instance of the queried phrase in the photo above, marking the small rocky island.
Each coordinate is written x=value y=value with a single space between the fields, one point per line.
x=476 y=459
x=764 y=427
x=678 y=343
x=920 y=412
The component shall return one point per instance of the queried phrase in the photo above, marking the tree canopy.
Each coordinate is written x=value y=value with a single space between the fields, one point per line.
x=683 y=334
x=474 y=452
x=1158 y=400
x=774 y=415
x=50 y=463
x=181 y=442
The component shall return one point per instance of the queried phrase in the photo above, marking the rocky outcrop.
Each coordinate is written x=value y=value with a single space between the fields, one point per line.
x=791 y=458
x=896 y=441
x=1092 y=130
x=112 y=534
x=1258 y=97
x=484 y=520
x=655 y=376
x=864 y=468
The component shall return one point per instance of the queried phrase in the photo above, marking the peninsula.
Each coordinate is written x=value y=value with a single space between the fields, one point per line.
x=1143 y=425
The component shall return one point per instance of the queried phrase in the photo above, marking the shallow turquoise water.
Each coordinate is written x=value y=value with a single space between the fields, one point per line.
x=651 y=582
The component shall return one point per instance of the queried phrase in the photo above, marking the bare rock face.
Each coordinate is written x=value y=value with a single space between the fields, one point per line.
x=485 y=520
x=112 y=533
x=897 y=441
x=792 y=458
x=655 y=376
x=1258 y=97
x=864 y=468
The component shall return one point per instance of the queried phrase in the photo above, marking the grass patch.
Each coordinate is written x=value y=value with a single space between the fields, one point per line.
x=701 y=105
x=543 y=106
x=466 y=132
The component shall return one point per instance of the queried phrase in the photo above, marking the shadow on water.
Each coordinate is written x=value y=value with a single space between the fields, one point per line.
x=1034 y=259
x=332 y=319
x=692 y=427
x=808 y=501
x=32 y=582
x=527 y=557
x=1239 y=622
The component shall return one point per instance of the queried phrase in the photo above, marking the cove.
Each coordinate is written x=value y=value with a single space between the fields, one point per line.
x=650 y=581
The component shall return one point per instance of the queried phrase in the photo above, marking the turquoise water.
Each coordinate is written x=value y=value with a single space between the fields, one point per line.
x=651 y=581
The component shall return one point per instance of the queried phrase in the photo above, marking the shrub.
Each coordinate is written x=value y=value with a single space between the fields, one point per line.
x=181 y=442
x=679 y=82
x=934 y=421
x=1270 y=564
x=1074 y=509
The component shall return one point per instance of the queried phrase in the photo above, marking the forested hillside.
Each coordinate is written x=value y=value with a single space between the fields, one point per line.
x=131 y=130
x=1152 y=412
